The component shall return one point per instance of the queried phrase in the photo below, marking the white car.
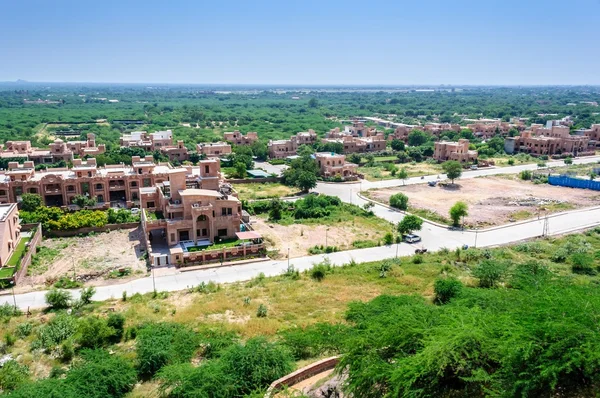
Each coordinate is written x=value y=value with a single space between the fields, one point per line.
x=412 y=238
x=135 y=210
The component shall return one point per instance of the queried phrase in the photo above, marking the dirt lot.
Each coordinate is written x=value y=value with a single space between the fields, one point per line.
x=299 y=237
x=93 y=257
x=493 y=200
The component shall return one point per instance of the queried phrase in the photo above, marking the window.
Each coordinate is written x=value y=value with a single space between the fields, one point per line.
x=224 y=211
x=222 y=232
x=98 y=187
x=229 y=212
x=202 y=217
x=2 y=192
x=150 y=204
x=204 y=232
x=172 y=236
x=198 y=232
x=31 y=190
x=206 y=169
x=133 y=184
x=146 y=182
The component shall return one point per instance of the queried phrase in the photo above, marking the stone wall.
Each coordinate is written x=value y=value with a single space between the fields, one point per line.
x=302 y=374
x=87 y=230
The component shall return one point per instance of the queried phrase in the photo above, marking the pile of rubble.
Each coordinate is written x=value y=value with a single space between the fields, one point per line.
x=533 y=201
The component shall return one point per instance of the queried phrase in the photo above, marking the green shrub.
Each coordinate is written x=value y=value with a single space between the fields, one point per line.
x=59 y=329
x=116 y=321
x=490 y=272
x=582 y=263
x=86 y=294
x=9 y=339
x=417 y=259
x=315 y=340
x=399 y=201
x=24 y=329
x=388 y=238
x=12 y=375
x=256 y=364
x=58 y=299
x=446 y=289
x=319 y=271
x=7 y=311
x=94 y=332
x=525 y=175
x=261 y=312
x=160 y=344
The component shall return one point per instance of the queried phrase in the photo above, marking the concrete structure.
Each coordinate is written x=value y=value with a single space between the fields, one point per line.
x=214 y=149
x=550 y=140
x=459 y=151
x=281 y=149
x=117 y=185
x=59 y=150
x=10 y=231
x=357 y=139
x=436 y=129
x=238 y=138
x=401 y=133
x=335 y=165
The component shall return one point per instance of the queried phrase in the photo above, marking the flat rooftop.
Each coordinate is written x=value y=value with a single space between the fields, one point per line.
x=5 y=209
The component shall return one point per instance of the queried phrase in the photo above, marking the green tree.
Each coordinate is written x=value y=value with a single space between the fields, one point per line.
x=399 y=201
x=240 y=170
x=84 y=201
x=490 y=272
x=313 y=103
x=306 y=181
x=418 y=138
x=58 y=299
x=31 y=202
x=409 y=224
x=453 y=169
x=275 y=210
x=446 y=289
x=457 y=211
x=94 y=332
x=397 y=145
x=403 y=175
x=12 y=375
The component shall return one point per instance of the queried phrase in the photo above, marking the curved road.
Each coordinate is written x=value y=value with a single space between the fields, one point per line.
x=434 y=237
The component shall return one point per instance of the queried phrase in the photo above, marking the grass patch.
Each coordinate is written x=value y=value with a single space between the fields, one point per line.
x=428 y=215
x=220 y=245
x=154 y=215
x=7 y=272
x=14 y=260
x=269 y=190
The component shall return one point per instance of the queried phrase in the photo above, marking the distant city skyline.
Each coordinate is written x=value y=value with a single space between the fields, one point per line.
x=343 y=43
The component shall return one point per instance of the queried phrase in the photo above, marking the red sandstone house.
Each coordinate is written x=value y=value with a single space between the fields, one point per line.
x=281 y=149
x=357 y=139
x=334 y=165
x=59 y=150
x=214 y=149
x=111 y=185
x=459 y=151
x=593 y=134
x=238 y=138
x=549 y=140
x=10 y=231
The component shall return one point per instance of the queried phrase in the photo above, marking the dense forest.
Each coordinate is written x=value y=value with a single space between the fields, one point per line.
x=197 y=114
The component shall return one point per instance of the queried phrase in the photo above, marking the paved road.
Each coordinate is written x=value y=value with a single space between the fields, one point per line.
x=434 y=237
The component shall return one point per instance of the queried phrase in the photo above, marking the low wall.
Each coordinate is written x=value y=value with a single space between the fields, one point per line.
x=253 y=180
x=220 y=255
x=565 y=181
x=302 y=374
x=87 y=230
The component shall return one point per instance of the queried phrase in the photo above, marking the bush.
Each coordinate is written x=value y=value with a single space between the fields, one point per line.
x=24 y=329
x=12 y=375
x=59 y=329
x=446 y=289
x=582 y=263
x=319 y=271
x=101 y=375
x=417 y=259
x=65 y=282
x=117 y=322
x=388 y=238
x=8 y=311
x=261 y=312
x=160 y=344
x=86 y=294
x=315 y=340
x=399 y=201
x=526 y=175
x=94 y=332
x=490 y=273
x=58 y=299
x=256 y=364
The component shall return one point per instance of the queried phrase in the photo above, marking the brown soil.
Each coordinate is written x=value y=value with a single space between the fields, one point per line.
x=92 y=257
x=299 y=238
x=493 y=200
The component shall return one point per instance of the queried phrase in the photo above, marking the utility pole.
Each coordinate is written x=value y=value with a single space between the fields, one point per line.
x=153 y=281
x=288 y=258
x=12 y=286
x=476 y=231
x=546 y=226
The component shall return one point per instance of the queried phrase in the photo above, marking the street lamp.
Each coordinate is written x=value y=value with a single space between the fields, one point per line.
x=476 y=231
x=326 y=245
x=153 y=281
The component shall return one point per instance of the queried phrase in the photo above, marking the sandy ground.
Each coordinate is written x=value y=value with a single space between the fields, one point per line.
x=493 y=200
x=92 y=257
x=299 y=238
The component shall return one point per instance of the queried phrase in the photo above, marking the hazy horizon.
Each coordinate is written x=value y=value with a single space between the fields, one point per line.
x=335 y=43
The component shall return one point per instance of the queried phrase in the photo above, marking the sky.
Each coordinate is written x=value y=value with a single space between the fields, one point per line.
x=325 y=42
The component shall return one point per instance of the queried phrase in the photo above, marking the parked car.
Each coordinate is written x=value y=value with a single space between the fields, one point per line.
x=474 y=167
x=135 y=210
x=412 y=238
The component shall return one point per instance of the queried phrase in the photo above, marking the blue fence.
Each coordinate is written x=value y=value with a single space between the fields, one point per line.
x=565 y=181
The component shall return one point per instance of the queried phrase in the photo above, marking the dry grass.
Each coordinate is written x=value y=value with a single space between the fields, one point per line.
x=266 y=190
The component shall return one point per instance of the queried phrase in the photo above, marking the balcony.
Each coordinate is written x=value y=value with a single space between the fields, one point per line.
x=116 y=187
x=52 y=190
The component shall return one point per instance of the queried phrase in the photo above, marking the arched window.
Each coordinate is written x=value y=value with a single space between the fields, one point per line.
x=202 y=217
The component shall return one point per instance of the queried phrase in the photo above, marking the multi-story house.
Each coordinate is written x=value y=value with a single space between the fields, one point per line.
x=436 y=129
x=283 y=148
x=117 y=185
x=238 y=138
x=459 y=151
x=335 y=165
x=373 y=141
x=57 y=151
x=214 y=149
x=148 y=141
x=10 y=231
x=549 y=140
x=593 y=133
